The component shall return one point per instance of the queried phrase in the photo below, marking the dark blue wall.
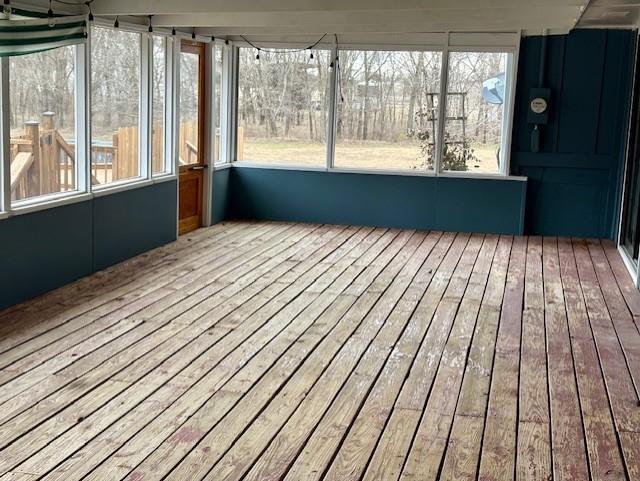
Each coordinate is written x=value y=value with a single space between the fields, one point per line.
x=47 y=249
x=44 y=250
x=131 y=222
x=220 y=195
x=574 y=182
x=455 y=204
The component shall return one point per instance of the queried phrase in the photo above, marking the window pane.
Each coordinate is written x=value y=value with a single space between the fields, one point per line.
x=42 y=123
x=189 y=108
x=115 y=105
x=473 y=131
x=387 y=109
x=282 y=107
x=220 y=52
x=158 y=95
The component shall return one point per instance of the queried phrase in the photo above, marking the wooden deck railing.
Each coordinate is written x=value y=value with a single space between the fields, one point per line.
x=44 y=162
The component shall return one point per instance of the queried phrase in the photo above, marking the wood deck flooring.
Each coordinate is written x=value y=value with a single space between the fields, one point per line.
x=272 y=351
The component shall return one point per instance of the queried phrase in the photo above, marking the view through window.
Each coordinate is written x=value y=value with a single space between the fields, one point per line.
x=42 y=123
x=387 y=109
x=115 y=105
x=283 y=102
x=158 y=85
x=476 y=96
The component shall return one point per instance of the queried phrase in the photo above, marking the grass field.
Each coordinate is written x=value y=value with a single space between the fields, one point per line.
x=360 y=155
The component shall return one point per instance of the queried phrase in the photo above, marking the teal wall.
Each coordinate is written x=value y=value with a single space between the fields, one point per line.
x=220 y=195
x=47 y=249
x=455 y=204
x=574 y=182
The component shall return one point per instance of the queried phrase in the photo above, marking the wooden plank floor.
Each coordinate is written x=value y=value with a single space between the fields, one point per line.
x=273 y=351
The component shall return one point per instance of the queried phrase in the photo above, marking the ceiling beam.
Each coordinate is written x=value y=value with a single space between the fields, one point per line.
x=406 y=20
x=167 y=7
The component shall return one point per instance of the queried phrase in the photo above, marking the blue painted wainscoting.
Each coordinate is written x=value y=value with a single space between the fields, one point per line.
x=50 y=248
x=220 y=195
x=404 y=201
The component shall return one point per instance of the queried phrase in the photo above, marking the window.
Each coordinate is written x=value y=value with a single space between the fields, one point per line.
x=158 y=105
x=218 y=71
x=283 y=102
x=387 y=111
x=191 y=93
x=42 y=123
x=115 y=105
x=475 y=121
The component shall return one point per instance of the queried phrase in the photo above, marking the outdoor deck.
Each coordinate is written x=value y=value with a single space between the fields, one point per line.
x=270 y=351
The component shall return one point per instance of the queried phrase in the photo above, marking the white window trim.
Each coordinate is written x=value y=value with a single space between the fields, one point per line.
x=8 y=207
x=146 y=176
x=346 y=170
x=228 y=105
x=5 y=134
x=460 y=43
x=167 y=107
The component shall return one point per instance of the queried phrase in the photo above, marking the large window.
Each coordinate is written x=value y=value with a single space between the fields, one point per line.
x=282 y=107
x=115 y=105
x=42 y=123
x=477 y=92
x=387 y=112
x=158 y=105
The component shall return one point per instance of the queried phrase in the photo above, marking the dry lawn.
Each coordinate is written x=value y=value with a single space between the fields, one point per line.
x=360 y=155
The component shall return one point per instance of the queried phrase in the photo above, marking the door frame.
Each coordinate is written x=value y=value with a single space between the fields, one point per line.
x=634 y=113
x=204 y=112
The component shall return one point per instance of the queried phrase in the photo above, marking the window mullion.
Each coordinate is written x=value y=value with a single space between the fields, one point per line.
x=507 y=114
x=5 y=158
x=169 y=111
x=83 y=109
x=442 y=110
x=333 y=108
x=230 y=95
x=146 y=113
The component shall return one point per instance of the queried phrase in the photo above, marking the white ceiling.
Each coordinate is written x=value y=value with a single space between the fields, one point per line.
x=279 y=18
x=611 y=13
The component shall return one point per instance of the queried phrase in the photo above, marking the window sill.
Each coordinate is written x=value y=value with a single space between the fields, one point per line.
x=163 y=178
x=410 y=173
x=258 y=165
x=222 y=166
x=42 y=203
x=120 y=186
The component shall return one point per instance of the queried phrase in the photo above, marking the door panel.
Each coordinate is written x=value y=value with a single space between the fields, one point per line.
x=191 y=191
x=191 y=136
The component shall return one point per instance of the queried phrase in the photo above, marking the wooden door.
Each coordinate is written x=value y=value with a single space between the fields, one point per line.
x=191 y=136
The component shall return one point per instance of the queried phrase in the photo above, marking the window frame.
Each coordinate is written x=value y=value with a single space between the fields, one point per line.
x=144 y=147
x=172 y=51
x=221 y=106
x=331 y=167
x=449 y=42
x=9 y=207
x=82 y=104
x=331 y=108
x=508 y=108
x=167 y=108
